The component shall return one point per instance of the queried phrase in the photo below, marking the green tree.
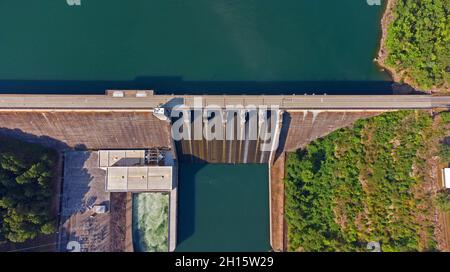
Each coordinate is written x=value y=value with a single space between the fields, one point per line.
x=418 y=42
x=26 y=172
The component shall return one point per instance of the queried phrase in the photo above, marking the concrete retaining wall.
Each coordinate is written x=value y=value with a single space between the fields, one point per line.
x=87 y=130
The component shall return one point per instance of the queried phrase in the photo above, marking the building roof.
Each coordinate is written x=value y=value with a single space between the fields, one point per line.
x=139 y=178
x=447 y=178
x=109 y=158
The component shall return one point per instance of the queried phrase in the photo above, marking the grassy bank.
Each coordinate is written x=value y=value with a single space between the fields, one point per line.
x=415 y=46
x=372 y=182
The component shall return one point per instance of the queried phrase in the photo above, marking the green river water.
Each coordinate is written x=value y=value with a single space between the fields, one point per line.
x=223 y=208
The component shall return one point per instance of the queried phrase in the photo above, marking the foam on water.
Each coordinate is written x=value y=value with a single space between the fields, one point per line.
x=150 y=222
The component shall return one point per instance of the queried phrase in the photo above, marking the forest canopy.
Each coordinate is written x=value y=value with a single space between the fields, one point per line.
x=366 y=184
x=418 y=43
x=26 y=172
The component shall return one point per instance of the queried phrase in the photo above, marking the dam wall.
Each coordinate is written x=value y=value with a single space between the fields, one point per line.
x=220 y=151
x=242 y=137
x=124 y=119
x=64 y=130
x=141 y=129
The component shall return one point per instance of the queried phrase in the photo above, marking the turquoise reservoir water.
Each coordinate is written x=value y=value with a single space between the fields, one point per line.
x=223 y=208
x=201 y=46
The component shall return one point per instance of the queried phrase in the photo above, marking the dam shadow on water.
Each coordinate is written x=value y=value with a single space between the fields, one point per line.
x=186 y=199
x=177 y=85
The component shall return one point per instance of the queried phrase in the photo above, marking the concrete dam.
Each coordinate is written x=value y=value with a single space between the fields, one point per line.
x=127 y=119
x=236 y=136
x=143 y=120
x=129 y=129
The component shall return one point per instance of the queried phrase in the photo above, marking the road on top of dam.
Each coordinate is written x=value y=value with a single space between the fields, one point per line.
x=148 y=101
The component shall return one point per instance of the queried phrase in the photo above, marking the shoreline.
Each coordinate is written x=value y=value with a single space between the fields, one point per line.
x=382 y=53
x=406 y=84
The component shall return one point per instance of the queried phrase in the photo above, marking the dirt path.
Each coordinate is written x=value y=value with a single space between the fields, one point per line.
x=443 y=218
x=277 y=199
x=435 y=166
x=129 y=222
x=121 y=237
x=446 y=226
